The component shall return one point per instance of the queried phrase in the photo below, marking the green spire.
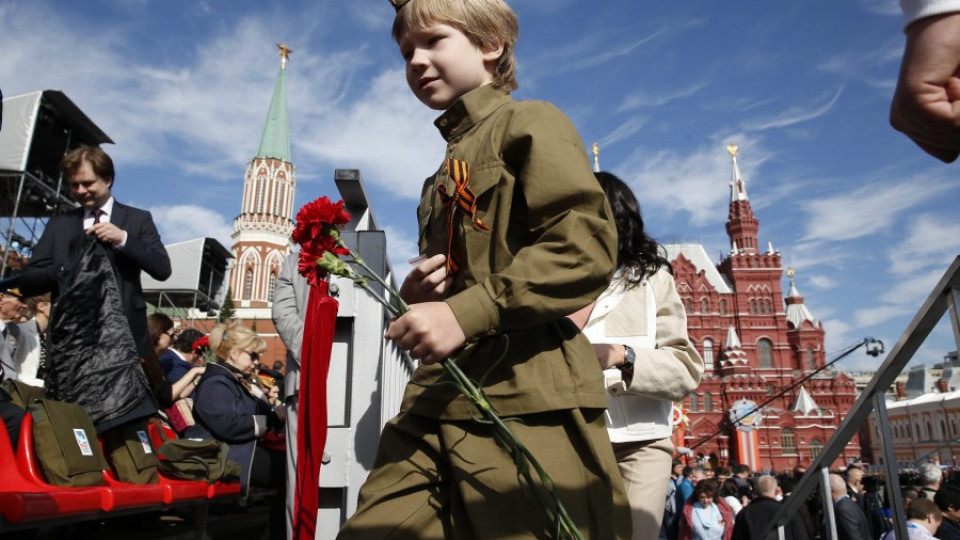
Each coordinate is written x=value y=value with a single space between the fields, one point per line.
x=275 y=141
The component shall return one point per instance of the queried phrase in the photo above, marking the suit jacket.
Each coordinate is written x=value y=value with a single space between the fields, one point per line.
x=851 y=521
x=143 y=251
x=757 y=516
x=289 y=310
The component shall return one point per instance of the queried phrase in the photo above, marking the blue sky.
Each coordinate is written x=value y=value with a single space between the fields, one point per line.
x=867 y=219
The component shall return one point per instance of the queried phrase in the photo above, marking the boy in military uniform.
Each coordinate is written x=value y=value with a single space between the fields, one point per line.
x=518 y=235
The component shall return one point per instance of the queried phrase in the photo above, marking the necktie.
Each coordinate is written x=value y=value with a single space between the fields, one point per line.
x=97 y=214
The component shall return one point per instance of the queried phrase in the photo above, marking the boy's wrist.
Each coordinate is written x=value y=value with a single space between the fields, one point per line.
x=475 y=312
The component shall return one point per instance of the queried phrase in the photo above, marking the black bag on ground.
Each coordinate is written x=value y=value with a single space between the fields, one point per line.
x=191 y=459
x=66 y=444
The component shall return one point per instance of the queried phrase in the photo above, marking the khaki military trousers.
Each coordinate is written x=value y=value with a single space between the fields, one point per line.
x=645 y=468
x=436 y=480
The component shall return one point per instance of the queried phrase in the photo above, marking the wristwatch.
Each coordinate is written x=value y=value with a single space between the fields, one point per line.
x=629 y=359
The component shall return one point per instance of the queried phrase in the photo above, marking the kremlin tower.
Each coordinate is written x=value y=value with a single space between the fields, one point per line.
x=261 y=233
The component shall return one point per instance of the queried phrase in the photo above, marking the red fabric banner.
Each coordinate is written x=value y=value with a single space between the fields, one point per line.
x=318 y=330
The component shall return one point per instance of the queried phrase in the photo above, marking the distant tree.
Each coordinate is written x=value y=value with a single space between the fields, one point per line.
x=227 y=310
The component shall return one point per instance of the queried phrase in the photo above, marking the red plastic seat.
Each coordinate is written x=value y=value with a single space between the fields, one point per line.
x=24 y=499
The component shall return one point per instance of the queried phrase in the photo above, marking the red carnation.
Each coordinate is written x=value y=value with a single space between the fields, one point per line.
x=317 y=232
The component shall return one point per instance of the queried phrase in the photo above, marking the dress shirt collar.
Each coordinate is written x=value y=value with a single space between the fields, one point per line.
x=469 y=110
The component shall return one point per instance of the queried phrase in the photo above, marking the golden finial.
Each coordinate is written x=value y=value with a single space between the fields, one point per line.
x=285 y=53
x=595 y=148
x=732 y=148
x=791 y=272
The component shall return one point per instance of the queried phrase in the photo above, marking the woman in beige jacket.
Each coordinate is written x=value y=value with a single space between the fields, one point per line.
x=638 y=329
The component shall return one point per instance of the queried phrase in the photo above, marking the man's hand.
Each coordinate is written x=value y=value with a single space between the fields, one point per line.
x=926 y=105
x=430 y=331
x=108 y=232
x=427 y=282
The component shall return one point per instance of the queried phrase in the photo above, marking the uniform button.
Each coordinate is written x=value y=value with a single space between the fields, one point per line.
x=443 y=122
x=491 y=332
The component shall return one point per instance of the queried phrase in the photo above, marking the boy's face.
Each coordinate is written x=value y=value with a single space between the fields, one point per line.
x=443 y=64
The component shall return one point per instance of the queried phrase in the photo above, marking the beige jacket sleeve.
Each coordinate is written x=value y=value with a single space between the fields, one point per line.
x=673 y=369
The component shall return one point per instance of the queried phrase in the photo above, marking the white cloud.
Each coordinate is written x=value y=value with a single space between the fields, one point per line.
x=878 y=315
x=822 y=281
x=881 y=7
x=932 y=241
x=688 y=183
x=796 y=114
x=869 y=209
x=646 y=99
x=386 y=133
x=189 y=221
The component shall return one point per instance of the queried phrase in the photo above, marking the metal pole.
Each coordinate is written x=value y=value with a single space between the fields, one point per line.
x=953 y=299
x=826 y=497
x=890 y=466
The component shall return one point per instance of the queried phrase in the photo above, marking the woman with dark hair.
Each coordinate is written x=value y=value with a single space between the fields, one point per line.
x=638 y=328
x=706 y=516
x=160 y=335
x=730 y=492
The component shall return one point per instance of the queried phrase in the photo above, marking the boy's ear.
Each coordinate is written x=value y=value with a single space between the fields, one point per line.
x=492 y=54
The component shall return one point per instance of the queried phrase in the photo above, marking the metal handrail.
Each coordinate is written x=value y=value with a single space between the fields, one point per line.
x=943 y=297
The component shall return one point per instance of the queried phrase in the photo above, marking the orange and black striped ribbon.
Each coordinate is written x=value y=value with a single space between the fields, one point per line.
x=462 y=199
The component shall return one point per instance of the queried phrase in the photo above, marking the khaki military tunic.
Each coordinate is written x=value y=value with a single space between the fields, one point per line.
x=540 y=247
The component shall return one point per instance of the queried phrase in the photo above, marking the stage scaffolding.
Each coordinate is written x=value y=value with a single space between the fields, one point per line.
x=38 y=129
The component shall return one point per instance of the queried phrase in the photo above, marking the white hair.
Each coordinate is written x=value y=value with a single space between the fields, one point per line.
x=930 y=474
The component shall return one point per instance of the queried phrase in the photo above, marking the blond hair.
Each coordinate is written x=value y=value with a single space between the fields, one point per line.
x=486 y=23
x=233 y=335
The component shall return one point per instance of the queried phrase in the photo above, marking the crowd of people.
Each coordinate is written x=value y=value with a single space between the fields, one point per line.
x=740 y=504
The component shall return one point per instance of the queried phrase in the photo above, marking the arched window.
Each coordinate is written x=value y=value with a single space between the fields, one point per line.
x=815 y=447
x=704 y=305
x=261 y=185
x=271 y=286
x=929 y=430
x=708 y=353
x=765 y=353
x=768 y=306
x=688 y=305
x=276 y=199
x=723 y=306
x=943 y=429
x=694 y=407
x=811 y=360
x=753 y=306
x=708 y=402
x=788 y=441
x=248 y=284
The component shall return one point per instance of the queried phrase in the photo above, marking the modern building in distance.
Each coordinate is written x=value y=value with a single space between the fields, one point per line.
x=756 y=344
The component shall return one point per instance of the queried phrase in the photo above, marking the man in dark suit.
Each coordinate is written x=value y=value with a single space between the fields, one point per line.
x=758 y=515
x=128 y=230
x=851 y=521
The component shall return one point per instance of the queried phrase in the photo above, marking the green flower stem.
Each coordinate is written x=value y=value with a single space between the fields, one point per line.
x=522 y=457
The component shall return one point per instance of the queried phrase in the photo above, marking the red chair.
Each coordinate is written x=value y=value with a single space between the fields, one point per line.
x=23 y=499
x=182 y=489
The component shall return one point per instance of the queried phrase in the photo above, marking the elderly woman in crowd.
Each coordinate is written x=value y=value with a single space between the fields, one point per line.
x=228 y=408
